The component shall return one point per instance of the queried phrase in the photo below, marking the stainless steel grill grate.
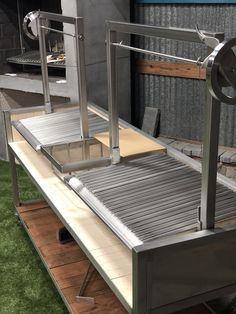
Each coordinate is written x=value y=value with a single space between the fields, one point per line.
x=149 y=197
x=33 y=58
x=60 y=127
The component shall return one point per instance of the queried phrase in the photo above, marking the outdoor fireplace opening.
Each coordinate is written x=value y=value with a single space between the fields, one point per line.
x=19 y=53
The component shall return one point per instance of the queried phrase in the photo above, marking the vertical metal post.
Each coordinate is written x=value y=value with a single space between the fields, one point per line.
x=14 y=181
x=44 y=68
x=81 y=75
x=209 y=162
x=111 y=36
x=11 y=157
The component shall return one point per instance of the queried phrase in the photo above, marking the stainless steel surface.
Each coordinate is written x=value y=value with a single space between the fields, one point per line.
x=81 y=76
x=44 y=69
x=7 y=125
x=112 y=96
x=31 y=30
x=11 y=157
x=209 y=162
x=69 y=157
x=182 y=34
x=57 y=17
x=60 y=127
x=149 y=197
x=14 y=181
x=221 y=71
x=210 y=41
x=174 y=273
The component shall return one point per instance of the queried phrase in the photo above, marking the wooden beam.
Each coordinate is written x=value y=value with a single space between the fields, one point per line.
x=173 y=69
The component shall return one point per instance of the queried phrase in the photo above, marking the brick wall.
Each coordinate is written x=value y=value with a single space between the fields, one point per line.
x=9 y=34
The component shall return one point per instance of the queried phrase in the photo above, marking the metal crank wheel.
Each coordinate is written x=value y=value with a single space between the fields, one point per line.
x=30 y=25
x=221 y=71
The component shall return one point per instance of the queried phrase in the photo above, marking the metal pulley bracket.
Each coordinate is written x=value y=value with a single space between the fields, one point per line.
x=221 y=71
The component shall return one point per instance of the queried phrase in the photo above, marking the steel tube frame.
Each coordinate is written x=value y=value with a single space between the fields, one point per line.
x=44 y=69
x=80 y=64
x=111 y=36
x=11 y=157
x=212 y=119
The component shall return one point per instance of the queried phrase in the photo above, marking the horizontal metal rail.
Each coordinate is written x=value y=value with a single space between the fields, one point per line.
x=163 y=32
x=57 y=17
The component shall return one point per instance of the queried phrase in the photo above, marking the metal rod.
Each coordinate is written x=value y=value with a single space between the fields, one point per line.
x=87 y=277
x=20 y=26
x=209 y=162
x=7 y=125
x=159 y=54
x=81 y=75
x=14 y=181
x=12 y=163
x=44 y=69
x=57 y=31
x=112 y=97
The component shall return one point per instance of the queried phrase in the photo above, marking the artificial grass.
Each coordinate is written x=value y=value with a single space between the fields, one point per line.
x=25 y=286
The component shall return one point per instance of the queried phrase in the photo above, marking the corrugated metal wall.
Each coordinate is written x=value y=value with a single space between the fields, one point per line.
x=181 y=101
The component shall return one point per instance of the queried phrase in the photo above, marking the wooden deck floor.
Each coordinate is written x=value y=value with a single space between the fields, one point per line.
x=66 y=263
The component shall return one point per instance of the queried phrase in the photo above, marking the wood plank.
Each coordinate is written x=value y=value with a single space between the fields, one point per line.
x=73 y=281
x=32 y=206
x=64 y=258
x=57 y=248
x=67 y=264
x=131 y=142
x=174 y=69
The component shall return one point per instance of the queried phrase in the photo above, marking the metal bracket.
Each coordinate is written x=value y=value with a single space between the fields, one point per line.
x=80 y=297
x=199 y=222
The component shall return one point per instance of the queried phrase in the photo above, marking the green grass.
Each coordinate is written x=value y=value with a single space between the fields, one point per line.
x=25 y=286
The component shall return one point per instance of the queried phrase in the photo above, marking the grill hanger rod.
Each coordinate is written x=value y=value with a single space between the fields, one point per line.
x=198 y=62
x=209 y=41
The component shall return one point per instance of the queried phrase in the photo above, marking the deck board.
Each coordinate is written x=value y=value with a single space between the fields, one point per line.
x=66 y=262
x=131 y=142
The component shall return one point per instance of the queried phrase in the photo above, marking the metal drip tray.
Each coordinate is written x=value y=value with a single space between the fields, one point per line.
x=33 y=58
x=72 y=157
x=149 y=197
x=57 y=128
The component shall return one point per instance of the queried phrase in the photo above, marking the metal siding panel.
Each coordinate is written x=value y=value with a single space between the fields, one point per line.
x=181 y=101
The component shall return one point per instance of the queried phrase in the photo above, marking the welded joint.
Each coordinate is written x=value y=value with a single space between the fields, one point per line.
x=115 y=155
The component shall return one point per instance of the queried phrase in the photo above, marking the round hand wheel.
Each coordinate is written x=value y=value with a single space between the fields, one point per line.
x=221 y=71
x=30 y=25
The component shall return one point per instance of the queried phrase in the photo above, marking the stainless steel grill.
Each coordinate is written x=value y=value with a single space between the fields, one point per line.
x=59 y=127
x=148 y=197
x=33 y=58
